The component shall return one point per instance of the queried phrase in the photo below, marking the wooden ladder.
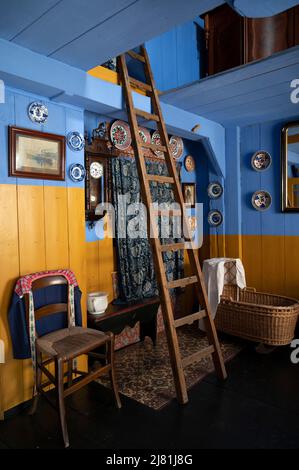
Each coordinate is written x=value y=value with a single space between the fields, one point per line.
x=177 y=362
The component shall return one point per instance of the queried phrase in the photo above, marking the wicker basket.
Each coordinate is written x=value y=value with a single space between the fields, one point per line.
x=266 y=318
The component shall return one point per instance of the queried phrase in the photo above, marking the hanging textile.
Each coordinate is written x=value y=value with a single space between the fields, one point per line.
x=136 y=270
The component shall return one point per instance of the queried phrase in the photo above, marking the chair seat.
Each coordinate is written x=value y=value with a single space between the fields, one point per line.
x=71 y=342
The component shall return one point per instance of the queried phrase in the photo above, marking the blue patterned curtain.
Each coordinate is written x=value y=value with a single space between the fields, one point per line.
x=136 y=271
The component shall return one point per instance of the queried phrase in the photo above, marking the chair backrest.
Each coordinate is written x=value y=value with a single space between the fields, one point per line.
x=51 y=309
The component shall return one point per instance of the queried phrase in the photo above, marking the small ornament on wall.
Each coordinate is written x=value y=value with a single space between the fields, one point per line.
x=189 y=163
x=215 y=190
x=261 y=200
x=215 y=218
x=75 y=141
x=177 y=147
x=77 y=172
x=120 y=135
x=38 y=112
x=261 y=161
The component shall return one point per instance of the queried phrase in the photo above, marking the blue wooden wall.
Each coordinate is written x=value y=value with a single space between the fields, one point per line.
x=241 y=145
x=62 y=120
x=175 y=56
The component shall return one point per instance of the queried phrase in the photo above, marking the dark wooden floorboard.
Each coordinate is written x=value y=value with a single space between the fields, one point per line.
x=257 y=407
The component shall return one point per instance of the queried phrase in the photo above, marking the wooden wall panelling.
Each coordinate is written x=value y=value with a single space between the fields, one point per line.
x=106 y=265
x=77 y=247
x=56 y=227
x=291 y=253
x=32 y=246
x=272 y=220
x=252 y=260
x=12 y=370
x=93 y=269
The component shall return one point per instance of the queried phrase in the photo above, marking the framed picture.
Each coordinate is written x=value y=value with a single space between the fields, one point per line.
x=189 y=193
x=34 y=154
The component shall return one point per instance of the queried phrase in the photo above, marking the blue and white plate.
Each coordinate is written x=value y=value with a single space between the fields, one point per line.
x=75 y=141
x=38 y=112
x=261 y=200
x=215 y=218
x=215 y=190
x=77 y=172
x=261 y=160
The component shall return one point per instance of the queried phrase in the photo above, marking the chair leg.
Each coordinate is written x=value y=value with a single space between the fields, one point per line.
x=70 y=373
x=59 y=373
x=35 y=399
x=114 y=386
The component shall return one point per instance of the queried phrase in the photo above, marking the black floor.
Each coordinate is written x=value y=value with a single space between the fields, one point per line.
x=257 y=407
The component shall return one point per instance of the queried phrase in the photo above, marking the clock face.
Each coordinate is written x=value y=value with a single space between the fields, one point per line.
x=96 y=170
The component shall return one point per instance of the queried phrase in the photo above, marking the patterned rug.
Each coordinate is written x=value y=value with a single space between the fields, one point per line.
x=144 y=373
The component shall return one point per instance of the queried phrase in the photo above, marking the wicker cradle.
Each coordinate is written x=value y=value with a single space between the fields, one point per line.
x=256 y=316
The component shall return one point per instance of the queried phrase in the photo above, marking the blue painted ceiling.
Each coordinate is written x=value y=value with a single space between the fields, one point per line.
x=255 y=92
x=86 y=33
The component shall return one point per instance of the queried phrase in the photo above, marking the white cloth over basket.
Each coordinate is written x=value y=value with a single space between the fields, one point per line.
x=220 y=271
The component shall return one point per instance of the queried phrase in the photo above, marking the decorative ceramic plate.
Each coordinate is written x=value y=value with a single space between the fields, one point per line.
x=177 y=147
x=145 y=135
x=261 y=200
x=77 y=172
x=215 y=190
x=96 y=170
x=156 y=140
x=38 y=112
x=120 y=135
x=189 y=163
x=215 y=218
x=261 y=161
x=75 y=141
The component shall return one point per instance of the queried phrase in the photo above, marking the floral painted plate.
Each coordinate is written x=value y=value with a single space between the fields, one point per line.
x=215 y=218
x=177 y=147
x=261 y=160
x=156 y=140
x=261 y=200
x=145 y=135
x=120 y=135
x=215 y=190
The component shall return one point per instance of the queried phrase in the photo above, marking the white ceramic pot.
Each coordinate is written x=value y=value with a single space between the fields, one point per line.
x=97 y=302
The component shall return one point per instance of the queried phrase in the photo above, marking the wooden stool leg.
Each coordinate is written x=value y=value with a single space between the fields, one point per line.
x=61 y=404
x=112 y=370
x=38 y=383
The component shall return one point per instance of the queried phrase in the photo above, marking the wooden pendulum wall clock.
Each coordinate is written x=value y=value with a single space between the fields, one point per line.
x=96 y=185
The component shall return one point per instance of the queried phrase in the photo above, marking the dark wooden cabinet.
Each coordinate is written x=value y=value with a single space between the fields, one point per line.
x=232 y=40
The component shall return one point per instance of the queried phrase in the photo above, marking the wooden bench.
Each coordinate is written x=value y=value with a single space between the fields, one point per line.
x=118 y=316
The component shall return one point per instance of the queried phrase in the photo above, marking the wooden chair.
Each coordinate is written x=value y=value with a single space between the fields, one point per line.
x=62 y=347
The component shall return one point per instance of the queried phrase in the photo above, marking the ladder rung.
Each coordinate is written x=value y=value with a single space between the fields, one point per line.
x=186 y=281
x=148 y=116
x=173 y=247
x=153 y=147
x=140 y=85
x=160 y=179
x=198 y=356
x=136 y=56
x=189 y=319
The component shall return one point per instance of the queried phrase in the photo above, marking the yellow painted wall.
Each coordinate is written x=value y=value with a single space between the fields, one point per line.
x=42 y=227
x=270 y=262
